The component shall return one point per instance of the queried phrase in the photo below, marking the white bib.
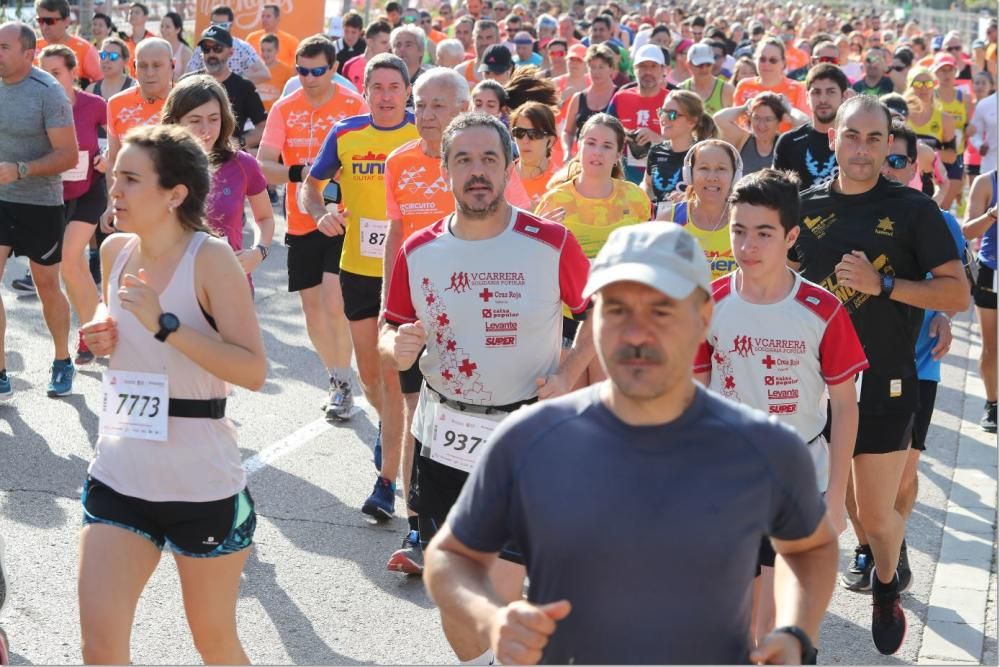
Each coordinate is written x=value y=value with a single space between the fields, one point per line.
x=373 y=237
x=134 y=405
x=458 y=438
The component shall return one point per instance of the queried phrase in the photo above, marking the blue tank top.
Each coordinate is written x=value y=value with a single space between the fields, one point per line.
x=988 y=248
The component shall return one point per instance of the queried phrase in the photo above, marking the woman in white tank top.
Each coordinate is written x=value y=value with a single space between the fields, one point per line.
x=179 y=327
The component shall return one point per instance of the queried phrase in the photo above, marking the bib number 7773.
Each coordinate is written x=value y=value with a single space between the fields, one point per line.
x=134 y=405
x=458 y=439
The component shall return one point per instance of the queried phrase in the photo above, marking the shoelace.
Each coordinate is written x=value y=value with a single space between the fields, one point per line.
x=60 y=374
x=885 y=606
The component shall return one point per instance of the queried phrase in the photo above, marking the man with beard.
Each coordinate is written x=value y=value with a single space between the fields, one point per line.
x=216 y=46
x=637 y=109
x=482 y=289
x=808 y=150
x=660 y=459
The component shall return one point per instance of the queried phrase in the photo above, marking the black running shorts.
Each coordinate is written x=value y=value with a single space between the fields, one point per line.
x=922 y=420
x=884 y=433
x=982 y=292
x=310 y=256
x=362 y=296
x=89 y=206
x=33 y=231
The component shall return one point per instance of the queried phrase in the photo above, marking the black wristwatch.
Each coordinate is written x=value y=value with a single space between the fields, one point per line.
x=809 y=652
x=168 y=324
x=888 y=283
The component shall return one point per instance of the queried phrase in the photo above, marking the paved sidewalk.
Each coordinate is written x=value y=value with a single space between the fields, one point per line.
x=961 y=611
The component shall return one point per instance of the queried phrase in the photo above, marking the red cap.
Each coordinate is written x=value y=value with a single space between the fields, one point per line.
x=578 y=51
x=944 y=60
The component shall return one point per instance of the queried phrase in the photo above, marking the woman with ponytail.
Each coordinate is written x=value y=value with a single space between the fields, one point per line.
x=683 y=121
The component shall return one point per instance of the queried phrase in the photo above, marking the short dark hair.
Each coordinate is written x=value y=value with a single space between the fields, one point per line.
x=698 y=21
x=273 y=39
x=465 y=121
x=274 y=8
x=61 y=6
x=377 y=26
x=602 y=18
x=773 y=189
x=393 y=7
x=141 y=7
x=353 y=20
x=827 y=71
x=58 y=50
x=904 y=55
x=222 y=9
x=387 y=61
x=900 y=130
x=866 y=103
x=316 y=45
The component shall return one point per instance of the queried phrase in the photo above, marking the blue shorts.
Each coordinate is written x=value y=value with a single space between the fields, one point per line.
x=956 y=169
x=199 y=530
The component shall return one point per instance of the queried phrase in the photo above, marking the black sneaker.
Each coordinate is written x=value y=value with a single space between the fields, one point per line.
x=25 y=285
x=888 y=619
x=989 y=421
x=94 y=264
x=858 y=577
x=903 y=569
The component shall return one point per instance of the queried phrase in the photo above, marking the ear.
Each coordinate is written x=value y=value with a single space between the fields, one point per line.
x=831 y=135
x=178 y=194
x=792 y=236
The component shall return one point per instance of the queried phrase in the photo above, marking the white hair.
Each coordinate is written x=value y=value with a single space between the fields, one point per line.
x=450 y=47
x=409 y=29
x=447 y=76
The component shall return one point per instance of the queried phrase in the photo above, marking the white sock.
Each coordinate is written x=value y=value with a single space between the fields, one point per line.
x=484 y=659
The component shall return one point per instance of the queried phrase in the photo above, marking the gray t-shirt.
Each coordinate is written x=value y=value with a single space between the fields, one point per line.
x=28 y=109
x=652 y=533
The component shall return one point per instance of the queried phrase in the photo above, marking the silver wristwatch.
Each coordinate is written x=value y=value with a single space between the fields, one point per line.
x=22 y=170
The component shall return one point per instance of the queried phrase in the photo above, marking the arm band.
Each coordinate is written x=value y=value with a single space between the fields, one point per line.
x=295 y=173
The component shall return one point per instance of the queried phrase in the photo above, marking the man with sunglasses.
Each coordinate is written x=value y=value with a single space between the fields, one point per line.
x=244 y=61
x=875 y=82
x=823 y=51
x=216 y=47
x=872 y=243
x=52 y=17
x=807 y=150
x=899 y=69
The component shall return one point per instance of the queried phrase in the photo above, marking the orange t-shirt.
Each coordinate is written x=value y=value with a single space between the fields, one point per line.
x=793 y=91
x=436 y=36
x=87 y=59
x=298 y=130
x=795 y=58
x=287 y=45
x=536 y=186
x=130 y=109
x=270 y=90
x=417 y=193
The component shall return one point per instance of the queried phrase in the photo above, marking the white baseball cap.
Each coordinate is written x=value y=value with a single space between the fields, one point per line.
x=661 y=255
x=649 y=53
x=701 y=54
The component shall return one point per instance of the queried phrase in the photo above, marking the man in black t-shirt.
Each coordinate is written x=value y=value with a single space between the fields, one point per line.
x=807 y=150
x=874 y=82
x=349 y=35
x=871 y=242
x=216 y=45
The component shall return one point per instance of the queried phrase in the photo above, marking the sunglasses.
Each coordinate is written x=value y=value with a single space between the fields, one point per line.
x=670 y=114
x=46 y=20
x=557 y=54
x=828 y=59
x=109 y=55
x=898 y=68
x=217 y=49
x=313 y=71
x=530 y=133
x=225 y=25
x=954 y=49
x=871 y=60
x=922 y=84
x=897 y=161
x=773 y=60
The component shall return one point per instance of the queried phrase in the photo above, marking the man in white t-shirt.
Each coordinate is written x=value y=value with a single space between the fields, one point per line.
x=780 y=344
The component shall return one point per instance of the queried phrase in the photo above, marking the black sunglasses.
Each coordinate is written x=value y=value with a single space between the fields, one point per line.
x=218 y=48
x=46 y=20
x=897 y=161
x=314 y=71
x=898 y=68
x=529 y=132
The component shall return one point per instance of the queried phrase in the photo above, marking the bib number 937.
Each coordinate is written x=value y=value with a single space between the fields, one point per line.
x=459 y=439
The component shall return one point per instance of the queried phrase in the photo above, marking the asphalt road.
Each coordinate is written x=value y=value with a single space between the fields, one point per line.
x=315 y=590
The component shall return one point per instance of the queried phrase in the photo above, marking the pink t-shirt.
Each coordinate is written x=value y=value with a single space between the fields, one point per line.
x=89 y=113
x=232 y=183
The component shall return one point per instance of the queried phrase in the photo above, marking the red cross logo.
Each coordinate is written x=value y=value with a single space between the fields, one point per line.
x=467 y=367
x=443 y=319
x=485 y=294
x=430 y=299
x=451 y=345
x=768 y=361
x=730 y=382
x=446 y=374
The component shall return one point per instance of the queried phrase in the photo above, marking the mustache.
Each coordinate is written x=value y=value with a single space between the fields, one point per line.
x=476 y=180
x=638 y=353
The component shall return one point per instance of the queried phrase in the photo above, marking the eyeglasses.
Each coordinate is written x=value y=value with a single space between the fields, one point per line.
x=46 y=20
x=557 y=54
x=218 y=48
x=773 y=60
x=828 y=59
x=528 y=132
x=898 y=68
x=225 y=25
x=954 y=49
x=922 y=84
x=313 y=71
x=109 y=55
x=670 y=114
x=871 y=60
x=897 y=161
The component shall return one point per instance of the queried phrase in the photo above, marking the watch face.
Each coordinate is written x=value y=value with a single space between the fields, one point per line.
x=169 y=321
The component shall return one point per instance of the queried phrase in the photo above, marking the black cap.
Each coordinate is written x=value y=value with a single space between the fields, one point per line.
x=498 y=60
x=216 y=34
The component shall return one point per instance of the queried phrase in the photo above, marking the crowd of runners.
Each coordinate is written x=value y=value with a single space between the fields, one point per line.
x=719 y=244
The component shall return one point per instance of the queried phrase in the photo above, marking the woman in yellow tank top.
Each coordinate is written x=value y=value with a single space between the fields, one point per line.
x=959 y=107
x=927 y=118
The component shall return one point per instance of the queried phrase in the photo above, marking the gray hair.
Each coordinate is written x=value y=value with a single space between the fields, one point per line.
x=382 y=61
x=450 y=47
x=409 y=29
x=465 y=121
x=447 y=76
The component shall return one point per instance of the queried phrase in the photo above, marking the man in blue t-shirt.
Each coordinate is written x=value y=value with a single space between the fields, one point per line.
x=676 y=478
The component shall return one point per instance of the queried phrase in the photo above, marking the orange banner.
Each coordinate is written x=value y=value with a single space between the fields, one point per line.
x=301 y=18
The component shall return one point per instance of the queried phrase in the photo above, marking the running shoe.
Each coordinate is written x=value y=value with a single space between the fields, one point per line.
x=381 y=504
x=888 y=619
x=377 y=453
x=83 y=353
x=989 y=421
x=341 y=401
x=62 y=379
x=6 y=391
x=903 y=569
x=409 y=559
x=94 y=261
x=25 y=285
x=858 y=577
